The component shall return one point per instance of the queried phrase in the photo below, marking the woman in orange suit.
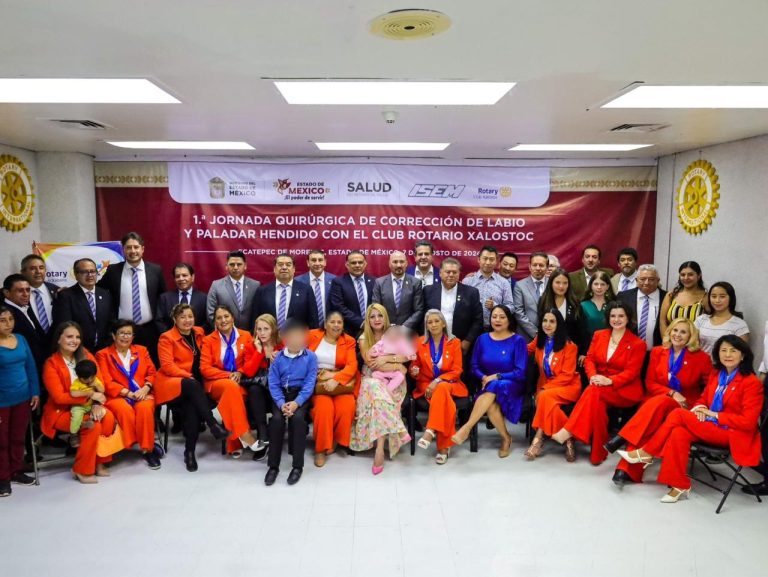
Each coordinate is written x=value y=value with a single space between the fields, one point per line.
x=437 y=370
x=613 y=365
x=677 y=373
x=228 y=355
x=333 y=408
x=559 y=382
x=179 y=378
x=726 y=415
x=129 y=374
x=58 y=374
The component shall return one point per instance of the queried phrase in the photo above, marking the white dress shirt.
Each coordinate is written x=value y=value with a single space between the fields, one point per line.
x=425 y=279
x=126 y=294
x=448 y=305
x=93 y=294
x=278 y=292
x=242 y=288
x=632 y=282
x=189 y=295
x=125 y=359
x=24 y=310
x=653 y=312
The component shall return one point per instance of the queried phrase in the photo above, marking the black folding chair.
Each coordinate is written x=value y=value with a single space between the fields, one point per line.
x=463 y=409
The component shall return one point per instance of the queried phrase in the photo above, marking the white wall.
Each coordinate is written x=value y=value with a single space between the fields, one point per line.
x=15 y=245
x=734 y=247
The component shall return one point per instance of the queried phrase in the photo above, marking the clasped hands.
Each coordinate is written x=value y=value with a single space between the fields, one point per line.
x=289 y=408
x=702 y=412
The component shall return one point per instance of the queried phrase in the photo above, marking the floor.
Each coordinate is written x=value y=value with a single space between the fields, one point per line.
x=477 y=515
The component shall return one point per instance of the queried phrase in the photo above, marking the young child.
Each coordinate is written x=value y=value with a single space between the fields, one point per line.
x=395 y=341
x=292 y=377
x=86 y=383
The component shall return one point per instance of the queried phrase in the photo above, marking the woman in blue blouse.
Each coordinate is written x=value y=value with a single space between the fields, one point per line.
x=499 y=363
x=19 y=394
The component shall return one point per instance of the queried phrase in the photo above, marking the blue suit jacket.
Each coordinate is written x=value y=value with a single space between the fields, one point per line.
x=344 y=300
x=411 y=270
x=302 y=306
x=307 y=277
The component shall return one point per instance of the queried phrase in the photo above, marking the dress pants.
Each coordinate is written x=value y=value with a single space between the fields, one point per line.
x=196 y=409
x=259 y=400
x=13 y=428
x=332 y=418
x=86 y=457
x=549 y=416
x=297 y=433
x=137 y=422
x=231 y=405
x=442 y=415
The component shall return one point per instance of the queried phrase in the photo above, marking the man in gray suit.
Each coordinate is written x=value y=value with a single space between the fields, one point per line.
x=235 y=291
x=317 y=279
x=401 y=294
x=527 y=294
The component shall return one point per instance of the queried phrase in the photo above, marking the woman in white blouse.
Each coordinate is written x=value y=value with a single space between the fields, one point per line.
x=724 y=320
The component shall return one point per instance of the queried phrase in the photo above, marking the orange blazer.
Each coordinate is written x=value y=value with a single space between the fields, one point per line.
x=742 y=405
x=693 y=374
x=211 y=366
x=452 y=367
x=176 y=358
x=57 y=381
x=346 y=354
x=563 y=365
x=624 y=366
x=115 y=379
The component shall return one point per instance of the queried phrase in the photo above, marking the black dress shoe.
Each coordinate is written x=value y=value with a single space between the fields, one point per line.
x=760 y=488
x=271 y=476
x=153 y=462
x=615 y=444
x=219 y=433
x=5 y=488
x=190 y=461
x=295 y=475
x=22 y=479
x=621 y=478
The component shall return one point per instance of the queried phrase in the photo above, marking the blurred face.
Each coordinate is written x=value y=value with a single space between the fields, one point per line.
x=647 y=281
x=627 y=264
x=223 y=321
x=69 y=341
x=449 y=275
x=6 y=324
x=334 y=325
x=133 y=252
x=487 y=262
x=183 y=278
x=185 y=321
x=397 y=263
x=18 y=293
x=34 y=272
x=599 y=287
x=356 y=264
x=538 y=267
x=316 y=263
x=435 y=325
x=376 y=320
x=730 y=356
x=689 y=278
x=236 y=267
x=590 y=259
x=679 y=335
x=295 y=340
x=499 y=321
x=560 y=285
x=263 y=331
x=549 y=324
x=123 y=337
x=618 y=319
x=86 y=274
x=423 y=257
x=507 y=266
x=719 y=299
x=284 y=269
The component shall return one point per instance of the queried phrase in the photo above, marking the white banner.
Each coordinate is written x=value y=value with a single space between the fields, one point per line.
x=357 y=184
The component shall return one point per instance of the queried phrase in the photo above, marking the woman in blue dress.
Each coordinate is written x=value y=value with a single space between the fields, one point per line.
x=499 y=363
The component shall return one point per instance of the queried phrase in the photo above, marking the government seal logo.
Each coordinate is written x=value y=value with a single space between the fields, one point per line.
x=17 y=198
x=697 y=197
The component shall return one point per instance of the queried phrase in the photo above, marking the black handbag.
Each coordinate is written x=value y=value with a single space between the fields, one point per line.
x=260 y=379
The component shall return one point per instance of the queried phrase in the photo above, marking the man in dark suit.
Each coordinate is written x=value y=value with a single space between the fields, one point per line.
x=351 y=293
x=424 y=270
x=286 y=298
x=459 y=303
x=88 y=305
x=235 y=291
x=590 y=258
x=319 y=281
x=17 y=294
x=507 y=268
x=135 y=286
x=646 y=297
x=184 y=277
x=401 y=294
x=42 y=293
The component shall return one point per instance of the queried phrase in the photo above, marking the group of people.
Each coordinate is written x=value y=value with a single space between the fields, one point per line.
x=572 y=352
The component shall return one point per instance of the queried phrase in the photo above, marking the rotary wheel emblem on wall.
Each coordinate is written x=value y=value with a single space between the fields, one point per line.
x=697 y=197
x=17 y=198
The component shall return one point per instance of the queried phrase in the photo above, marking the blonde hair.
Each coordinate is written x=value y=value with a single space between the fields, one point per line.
x=440 y=314
x=368 y=338
x=693 y=344
x=272 y=323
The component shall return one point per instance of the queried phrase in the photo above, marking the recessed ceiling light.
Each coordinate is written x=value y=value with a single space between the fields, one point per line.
x=181 y=144
x=394 y=93
x=382 y=145
x=692 y=97
x=577 y=147
x=83 y=90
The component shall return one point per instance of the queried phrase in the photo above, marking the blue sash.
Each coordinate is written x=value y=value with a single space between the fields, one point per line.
x=133 y=386
x=723 y=380
x=230 y=359
x=549 y=347
x=674 y=367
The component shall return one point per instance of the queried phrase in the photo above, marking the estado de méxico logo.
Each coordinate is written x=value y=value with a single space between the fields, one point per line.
x=18 y=202
x=697 y=197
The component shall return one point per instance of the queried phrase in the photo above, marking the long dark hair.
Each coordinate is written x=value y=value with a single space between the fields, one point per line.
x=694 y=266
x=561 y=331
x=606 y=278
x=730 y=291
x=59 y=330
x=547 y=300
x=748 y=357
x=508 y=313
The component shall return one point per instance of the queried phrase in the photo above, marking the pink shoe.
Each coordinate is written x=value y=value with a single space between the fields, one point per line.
x=377 y=470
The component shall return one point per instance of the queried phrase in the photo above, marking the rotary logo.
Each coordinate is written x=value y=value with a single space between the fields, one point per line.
x=17 y=198
x=505 y=191
x=697 y=197
x=282 y=184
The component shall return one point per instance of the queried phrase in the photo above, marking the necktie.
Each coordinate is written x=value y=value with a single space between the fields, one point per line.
x=239 y=296
x=398 y=291
x=42 y=316
x=319 y=301
x=135 y=296
x=360 y=294
x=185 y=297
x=539 y=284
x=91 y=303
x=624 y=284
x=642 y=328
x=281 y=308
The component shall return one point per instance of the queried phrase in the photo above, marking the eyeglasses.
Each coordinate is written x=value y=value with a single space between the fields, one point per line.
x=125 y=335
x=87 y=272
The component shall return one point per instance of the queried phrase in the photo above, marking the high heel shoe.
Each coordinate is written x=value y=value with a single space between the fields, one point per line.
x=86 y=479
x=534 y=450
x=377 y=470
x=505 y=449
x=425 y=442
x=670 y=498
x=458 y=439
x=219 y=433
x=102 y=471
x=570 y=450
x=627 y=456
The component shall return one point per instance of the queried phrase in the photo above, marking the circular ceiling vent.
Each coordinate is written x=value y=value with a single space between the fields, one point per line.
x=410 y=24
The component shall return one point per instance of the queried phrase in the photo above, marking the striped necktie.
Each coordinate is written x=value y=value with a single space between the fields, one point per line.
x=642 y=328
x=91 y=303
x=135 y=296
x=319 y=301
x=282 y=308
x=239 y=296
x=360 y=294
x=624 y=284
x=398 y=291
x=42 y=315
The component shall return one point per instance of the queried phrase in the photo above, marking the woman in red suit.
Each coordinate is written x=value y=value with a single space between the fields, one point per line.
x=677 y=373
x=437 y=370
x=559 y=382
x=725 y=415
x=228 y=355
x=179 y=378
x=129 y=373
x=613 y=365
x=333 y=404
x=58 y=374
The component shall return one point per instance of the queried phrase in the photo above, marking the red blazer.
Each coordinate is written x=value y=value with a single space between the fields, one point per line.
x=57 y=381
x=210 y=356
x=115 y=379
x=742 y=405
x=176 y=359
x=346 y=354
x=450 y=371
x=563 y=365
x=624 y=366
x=261 y=361
x=693 y=374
